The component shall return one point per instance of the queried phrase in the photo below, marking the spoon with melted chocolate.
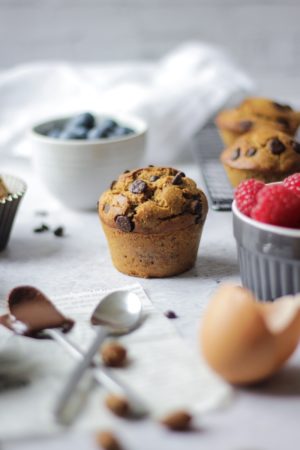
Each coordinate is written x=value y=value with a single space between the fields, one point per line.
x=32 y=313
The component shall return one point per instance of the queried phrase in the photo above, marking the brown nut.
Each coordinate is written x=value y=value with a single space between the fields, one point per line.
x=113 y=354
x=107 y=441
x=178 y=420
x=118 y=405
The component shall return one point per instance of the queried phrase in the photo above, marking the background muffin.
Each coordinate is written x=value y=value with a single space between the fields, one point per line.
x=153 y=219
x=254 y=113
x=266 y=154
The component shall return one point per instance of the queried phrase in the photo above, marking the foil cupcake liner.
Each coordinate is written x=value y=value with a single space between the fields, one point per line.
x=9 y=206
x=269 y=257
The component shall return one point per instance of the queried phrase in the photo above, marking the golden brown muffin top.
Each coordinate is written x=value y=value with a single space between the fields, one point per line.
x=264 y=150
x=256 y=112
x=152 y=200
x=3 y=190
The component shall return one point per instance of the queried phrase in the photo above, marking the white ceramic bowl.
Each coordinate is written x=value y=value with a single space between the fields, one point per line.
x=76 y=172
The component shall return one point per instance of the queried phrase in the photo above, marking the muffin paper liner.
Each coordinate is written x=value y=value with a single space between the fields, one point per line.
x=9 y=206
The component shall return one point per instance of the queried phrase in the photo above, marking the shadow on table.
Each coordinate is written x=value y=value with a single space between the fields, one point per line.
x=213 y=267
x=22 y=250
x=285 y=383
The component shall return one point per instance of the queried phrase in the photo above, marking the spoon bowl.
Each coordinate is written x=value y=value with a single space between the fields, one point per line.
x=119 y=310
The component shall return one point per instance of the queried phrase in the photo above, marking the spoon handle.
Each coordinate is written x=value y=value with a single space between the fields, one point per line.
x=78 y=373
x=101 y=374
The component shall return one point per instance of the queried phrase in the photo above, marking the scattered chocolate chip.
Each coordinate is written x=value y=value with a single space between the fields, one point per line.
x=41 y=228
x=283 y=121
x=150 y=165
x=106 y=440
x=126 y=171
x=118 y=405
x=138 y=187
x=153 y=178
x=296 y=146
x=276 y=146
x=196 y=207
x=178 y=178
x=171 y=314
x=177 y=421
x=251 y=151
x=59 y=231
x=112 y=184
x=245 y=125
x=282 y=107
x=124 y=224
x=106 y=208
x=113 y=354
x=235 y=154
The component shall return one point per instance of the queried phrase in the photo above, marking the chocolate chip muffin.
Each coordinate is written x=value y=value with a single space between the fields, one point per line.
x=254 y=113
x=153 y=220
x=266 y=154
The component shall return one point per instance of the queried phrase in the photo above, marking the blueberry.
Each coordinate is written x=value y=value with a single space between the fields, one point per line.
x=121 y=131
x=103 y=130
x=54 y=133
x=96 y=133
x=74 y=133
x=86 y=120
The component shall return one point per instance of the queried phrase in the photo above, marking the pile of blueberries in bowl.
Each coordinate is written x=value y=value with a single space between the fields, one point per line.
x=85 y=126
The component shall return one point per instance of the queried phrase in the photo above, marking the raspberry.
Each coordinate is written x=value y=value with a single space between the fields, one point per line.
x=277 y=205
x=293 y=183
x=245 y=195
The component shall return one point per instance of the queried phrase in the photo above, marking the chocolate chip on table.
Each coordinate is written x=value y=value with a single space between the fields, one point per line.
x=106 y=440
x=41 y=228
x=276 y=146
x=171 y=314
x=124 y=224
x=178 y=421
x=118 y=405
x=150 y=165
x=138 y=187
x=282 y=107
x=251 y=151
x=196 y=207
x=245 y=125
x=126 y=171
x=178 y=178
x=296 y=146
x=59 y=231
x=235 y=154
x=153 y=178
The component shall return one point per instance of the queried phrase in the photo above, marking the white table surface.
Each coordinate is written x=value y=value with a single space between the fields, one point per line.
x=265 y=417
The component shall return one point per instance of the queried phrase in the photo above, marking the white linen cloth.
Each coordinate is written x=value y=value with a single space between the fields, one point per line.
x=162 y=370
x=175 y=95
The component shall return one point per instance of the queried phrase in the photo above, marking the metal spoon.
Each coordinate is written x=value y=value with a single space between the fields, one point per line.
x=117 y=313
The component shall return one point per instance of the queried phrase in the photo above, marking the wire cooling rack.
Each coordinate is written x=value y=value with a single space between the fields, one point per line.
x=207 y=147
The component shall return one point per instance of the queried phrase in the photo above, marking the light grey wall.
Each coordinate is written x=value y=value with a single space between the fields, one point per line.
x=263 y=35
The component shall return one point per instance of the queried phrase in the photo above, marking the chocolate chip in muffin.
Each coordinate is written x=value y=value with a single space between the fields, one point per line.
x=153 y=178
x=138 y=187
x=106 y=208
x=245 y=125
x=196 y=207
x=296 y=146
x=251 y=151
x=126 y=171
x=198 y=220
x=178 y=178
x=124 y=224
x=112 y=184
x=235 y=154
x=282 y=107
x=276 y=146
x=283 y=121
